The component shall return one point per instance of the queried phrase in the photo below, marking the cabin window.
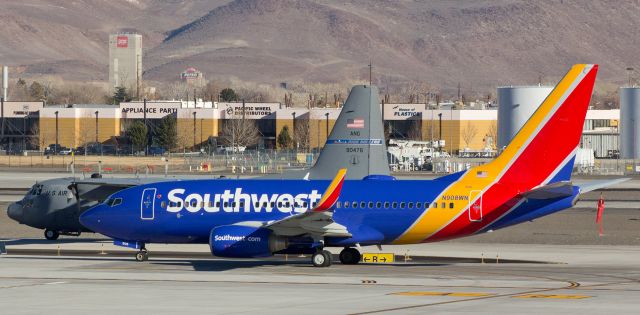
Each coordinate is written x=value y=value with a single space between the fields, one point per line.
x=435 y=205
x=172 y=204
x=354 y=205
x=286 y=204
x=241 y=204
x=370 y=204
x=273 y=204
x=256 y=204
x=233 y=204
x=363 y=204
x=443 y=205
x=279 y=204
x=410 y=205
x=418 y=205
x=264 y=204
x=338 y=204
x=451 y=205
x=402 y=205
x=378 y=204
x=217 y=204
x=304 y=204
x=386 y=205
x=346 y=204
x=226 y=204
x=394 y=205
x=163 y=204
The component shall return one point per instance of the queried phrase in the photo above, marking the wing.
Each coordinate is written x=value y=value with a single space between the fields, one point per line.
x=317 y=221
x=597 y=184
x=98 y=189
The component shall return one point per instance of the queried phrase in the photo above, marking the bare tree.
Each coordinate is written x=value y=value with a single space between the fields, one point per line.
x=493 y=135
x=469 y=132
x=239 y=132
x=185 y=132
x=37 y=138
x=301 y=134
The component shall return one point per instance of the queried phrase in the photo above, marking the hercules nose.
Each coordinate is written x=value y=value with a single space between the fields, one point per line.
x=15 y=211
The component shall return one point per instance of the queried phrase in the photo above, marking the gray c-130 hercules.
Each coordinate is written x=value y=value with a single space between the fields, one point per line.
x=356 y=142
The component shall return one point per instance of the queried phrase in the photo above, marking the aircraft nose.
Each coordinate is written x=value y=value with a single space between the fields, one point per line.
x=91 y=219
x=15 y=211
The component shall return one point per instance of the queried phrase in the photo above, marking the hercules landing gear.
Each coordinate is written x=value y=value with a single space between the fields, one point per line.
x=142 y=255
x=321 y=259
x=51 y=234
x=350 y=256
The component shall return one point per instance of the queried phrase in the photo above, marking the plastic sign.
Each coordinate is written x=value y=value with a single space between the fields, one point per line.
x=378 y=258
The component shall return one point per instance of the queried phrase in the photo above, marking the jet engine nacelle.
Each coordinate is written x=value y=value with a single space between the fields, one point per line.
x=244 y=241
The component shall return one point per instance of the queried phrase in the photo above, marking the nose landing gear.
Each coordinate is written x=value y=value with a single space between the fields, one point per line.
x=143 y=254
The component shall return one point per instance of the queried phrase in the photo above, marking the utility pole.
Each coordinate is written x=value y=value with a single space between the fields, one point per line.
x=55 y=150
x=144 y=115
x=194 y=129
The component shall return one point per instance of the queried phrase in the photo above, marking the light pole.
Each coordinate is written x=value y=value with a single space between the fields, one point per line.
x=55 y=149
x=97 y=133
x=194 y=130
x=293 y=129
x=326 y=115
x=439 y=132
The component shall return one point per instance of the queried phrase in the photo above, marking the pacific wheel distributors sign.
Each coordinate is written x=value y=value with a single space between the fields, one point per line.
x=250 y=111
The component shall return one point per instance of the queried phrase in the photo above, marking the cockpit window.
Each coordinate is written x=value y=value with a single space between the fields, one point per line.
x=112 y=202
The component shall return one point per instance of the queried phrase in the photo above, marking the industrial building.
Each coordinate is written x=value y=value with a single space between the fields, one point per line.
x=203 y=123
x=125 y=61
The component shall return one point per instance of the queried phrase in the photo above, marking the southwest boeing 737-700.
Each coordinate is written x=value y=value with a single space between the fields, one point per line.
x=531 y=178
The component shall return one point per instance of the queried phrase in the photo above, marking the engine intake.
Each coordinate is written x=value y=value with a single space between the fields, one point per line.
x=238 y=241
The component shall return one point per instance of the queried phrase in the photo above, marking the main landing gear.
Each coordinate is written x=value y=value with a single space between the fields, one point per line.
x=321 y=258
x=51 y=235
x=142 y=255
x=350 y=256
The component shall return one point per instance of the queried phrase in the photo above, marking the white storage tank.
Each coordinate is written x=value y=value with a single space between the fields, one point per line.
x=629 y=122
x=516 y=104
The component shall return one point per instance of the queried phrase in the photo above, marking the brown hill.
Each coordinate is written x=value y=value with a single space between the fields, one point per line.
x=478 y=43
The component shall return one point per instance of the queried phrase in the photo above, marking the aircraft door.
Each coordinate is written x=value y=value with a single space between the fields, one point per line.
x=147 y=204
x=475 y=206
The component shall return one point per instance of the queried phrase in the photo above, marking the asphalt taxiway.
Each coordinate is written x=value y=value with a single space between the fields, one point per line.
x=557 y=264
x=606 y=279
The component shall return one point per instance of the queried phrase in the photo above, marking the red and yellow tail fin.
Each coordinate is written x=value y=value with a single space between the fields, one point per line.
x=545 y=146
x=542 y=152
x=332 y=193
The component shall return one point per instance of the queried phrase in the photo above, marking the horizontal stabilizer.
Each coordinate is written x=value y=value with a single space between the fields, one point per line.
x=597 y=184
x=551 y=191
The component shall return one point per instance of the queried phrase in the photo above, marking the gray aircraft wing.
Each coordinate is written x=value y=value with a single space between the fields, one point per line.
x=98 y=189
x=356 y=141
